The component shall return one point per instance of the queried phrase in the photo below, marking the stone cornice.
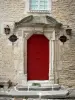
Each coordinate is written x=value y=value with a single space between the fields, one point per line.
x=36 y=21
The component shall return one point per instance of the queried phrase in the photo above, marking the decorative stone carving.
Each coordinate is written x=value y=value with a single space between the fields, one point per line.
x=53 y=22
x=45 y=25
x=24 y=20
x=44 y=21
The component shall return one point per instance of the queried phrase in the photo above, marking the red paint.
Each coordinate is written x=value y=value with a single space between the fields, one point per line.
x=38 y=58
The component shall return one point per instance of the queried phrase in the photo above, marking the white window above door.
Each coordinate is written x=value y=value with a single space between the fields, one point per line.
x=39 y=5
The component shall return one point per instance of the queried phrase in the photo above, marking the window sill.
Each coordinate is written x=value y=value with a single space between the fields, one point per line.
x=41 y=11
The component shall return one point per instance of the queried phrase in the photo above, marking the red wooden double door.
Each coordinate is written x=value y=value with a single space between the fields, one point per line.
x=37 y=58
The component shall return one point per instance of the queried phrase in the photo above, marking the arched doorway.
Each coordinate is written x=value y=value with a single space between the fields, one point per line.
x=37 y=57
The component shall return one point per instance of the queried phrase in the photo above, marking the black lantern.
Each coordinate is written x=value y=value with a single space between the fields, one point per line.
x=63 y=39
x=7 y=30
x=13 y=38
x=69 y=31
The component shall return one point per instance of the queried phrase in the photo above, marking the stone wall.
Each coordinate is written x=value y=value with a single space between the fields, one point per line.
x=11 y=10
x=11 y=56
x=64 y=12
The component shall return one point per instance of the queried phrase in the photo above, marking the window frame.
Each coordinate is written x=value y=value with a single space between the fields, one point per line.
x=39 y=11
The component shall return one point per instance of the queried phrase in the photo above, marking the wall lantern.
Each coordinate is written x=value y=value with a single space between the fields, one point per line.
x=13 y=38
x=7 y=30
x=63 y=39
x=69 y=31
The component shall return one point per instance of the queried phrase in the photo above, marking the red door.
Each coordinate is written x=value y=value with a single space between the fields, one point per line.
x=38 y=58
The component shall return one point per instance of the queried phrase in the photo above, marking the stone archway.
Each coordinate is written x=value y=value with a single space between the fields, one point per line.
x=44 y=25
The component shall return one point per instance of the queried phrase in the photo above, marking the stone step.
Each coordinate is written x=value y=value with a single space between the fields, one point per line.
x=42 y=83
x=38 y=88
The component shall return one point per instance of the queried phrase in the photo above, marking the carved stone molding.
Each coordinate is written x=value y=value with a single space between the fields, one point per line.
x=45 y=25
x=43 y=21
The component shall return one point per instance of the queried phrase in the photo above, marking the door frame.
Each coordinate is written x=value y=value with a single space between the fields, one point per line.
x=49 y=33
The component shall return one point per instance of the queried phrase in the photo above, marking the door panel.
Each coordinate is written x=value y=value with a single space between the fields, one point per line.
x=37 y=58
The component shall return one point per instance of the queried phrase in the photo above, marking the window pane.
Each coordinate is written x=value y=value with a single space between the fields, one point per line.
x=46 y=7
x=34 y=7
x=34 y=2
x=44 y=1
x=43 y=5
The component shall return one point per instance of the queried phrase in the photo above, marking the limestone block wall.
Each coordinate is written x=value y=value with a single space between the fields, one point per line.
x=12 y=56
x=6 y=58
x=12 y=10
x=64 y=12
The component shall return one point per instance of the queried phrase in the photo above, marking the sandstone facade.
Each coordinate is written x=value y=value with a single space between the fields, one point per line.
x=63 y=10
x=12 y=55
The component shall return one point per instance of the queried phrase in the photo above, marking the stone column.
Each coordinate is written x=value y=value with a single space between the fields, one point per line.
x=51 y=59
x=50 y=34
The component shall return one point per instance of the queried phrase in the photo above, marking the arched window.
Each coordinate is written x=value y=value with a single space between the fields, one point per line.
x=40 y=5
